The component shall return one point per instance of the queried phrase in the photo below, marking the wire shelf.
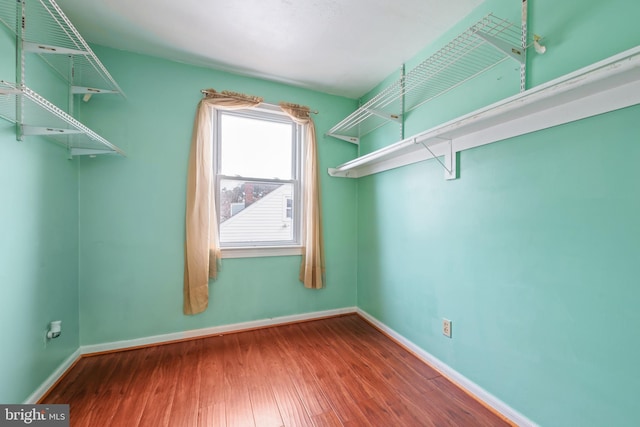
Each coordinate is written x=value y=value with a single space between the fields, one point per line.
x=47 y=31
x=608 y=85
x=489 y=42
x=40 y=117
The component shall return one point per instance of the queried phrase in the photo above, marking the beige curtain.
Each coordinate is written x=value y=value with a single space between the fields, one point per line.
x=202 y=244
x=312 y=269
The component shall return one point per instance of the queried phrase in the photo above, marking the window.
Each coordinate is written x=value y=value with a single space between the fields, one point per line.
x=257 y=165
x=288 y=208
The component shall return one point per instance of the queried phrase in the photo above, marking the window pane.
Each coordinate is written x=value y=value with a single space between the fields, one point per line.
x=255 y=211
x=255 y=148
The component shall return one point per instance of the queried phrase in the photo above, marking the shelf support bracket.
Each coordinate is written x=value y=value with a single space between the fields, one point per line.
x=88 y=152
x=351 y=139
x=4 y=91
x=450 y=163
x=515 y=52
x=37 y=130
x=45 y=48
x=90 y=90
x=385 y=115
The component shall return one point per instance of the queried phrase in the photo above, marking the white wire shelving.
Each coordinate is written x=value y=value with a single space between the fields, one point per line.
x=489 y=42
x=44 y=29
x=41 y=28
x=41 y=117
x=605 y=86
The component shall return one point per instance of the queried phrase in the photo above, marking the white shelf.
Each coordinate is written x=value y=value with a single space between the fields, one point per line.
x=41 y=117
x=47 y=31
x=605 y=86
x=41 y=27
x=484 y=45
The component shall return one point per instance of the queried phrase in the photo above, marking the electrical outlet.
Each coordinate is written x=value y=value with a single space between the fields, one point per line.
x=446 y=327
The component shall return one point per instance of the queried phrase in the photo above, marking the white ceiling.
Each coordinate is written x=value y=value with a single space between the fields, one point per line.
x=343 y=47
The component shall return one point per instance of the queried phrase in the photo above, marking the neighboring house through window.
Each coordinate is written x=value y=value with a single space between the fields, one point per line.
x=257 y=165
x=288 y=208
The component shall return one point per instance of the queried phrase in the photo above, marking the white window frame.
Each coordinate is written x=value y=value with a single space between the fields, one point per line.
x=268 y=248
x=286 y=207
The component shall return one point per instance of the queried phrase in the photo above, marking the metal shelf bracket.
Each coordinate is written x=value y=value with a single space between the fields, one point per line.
x=91 y=90
x=88 y=92
x=351 y=139
x=513 y=51
x=42 y=130
x=450 y=163
x=88 y=152
x=385 y=115
x=49 y=49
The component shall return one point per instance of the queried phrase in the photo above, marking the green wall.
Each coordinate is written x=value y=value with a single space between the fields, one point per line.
x=99 y=242
x=132 y=210
x=38 y=246
x=532 y=252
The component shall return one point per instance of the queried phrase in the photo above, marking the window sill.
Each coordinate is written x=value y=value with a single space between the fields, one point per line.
x=261 y=251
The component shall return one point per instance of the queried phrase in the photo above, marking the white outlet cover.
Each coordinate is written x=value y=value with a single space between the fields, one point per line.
x=446 y=328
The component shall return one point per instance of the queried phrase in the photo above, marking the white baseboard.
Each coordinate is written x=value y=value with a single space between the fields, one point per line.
x=215 y=330
x=158 y=339
x=471 y=387
x=49 y=382
x=428 y=358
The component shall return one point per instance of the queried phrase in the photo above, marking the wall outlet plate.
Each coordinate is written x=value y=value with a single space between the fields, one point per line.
x=446 y=328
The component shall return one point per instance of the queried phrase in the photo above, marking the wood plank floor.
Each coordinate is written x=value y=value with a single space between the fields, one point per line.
x=332 y=372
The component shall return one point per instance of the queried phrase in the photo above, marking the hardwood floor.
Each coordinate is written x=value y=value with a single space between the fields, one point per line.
x=332 y=372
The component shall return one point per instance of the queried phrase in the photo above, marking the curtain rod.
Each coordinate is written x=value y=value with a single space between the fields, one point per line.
x=299 y=109
x=206 y=91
